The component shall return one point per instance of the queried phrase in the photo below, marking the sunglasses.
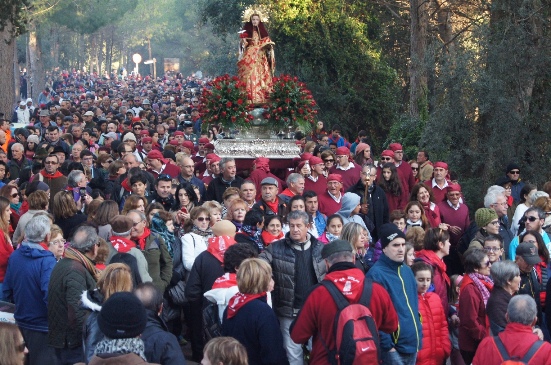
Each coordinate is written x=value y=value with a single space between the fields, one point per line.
x=415 y=168
x=329 y=160
x=15 y=195
x=109 y=161
x=487 y=264
x=137 y=128
x=514 y=172
x=532 y=219
x=202 y=219
x=386 y=159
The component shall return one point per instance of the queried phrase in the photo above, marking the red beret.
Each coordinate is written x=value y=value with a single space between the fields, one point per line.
x=155 y=155
x=147 y=139
x=174 y=143
x=212 y=157
x=314 y=160
x=145 y=132
x=209 y=146
x=178 y=133
x=388 y=153
x=342 y=151
x=204 y=140
x=136 y=119
x=454 y=187
x=305 y=156
x=441 y=165
x=334 y=177
x=395 y=147
x=189 y=144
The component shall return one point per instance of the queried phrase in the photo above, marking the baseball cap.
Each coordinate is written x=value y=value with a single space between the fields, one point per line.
x=528 y=252
x=269 y=181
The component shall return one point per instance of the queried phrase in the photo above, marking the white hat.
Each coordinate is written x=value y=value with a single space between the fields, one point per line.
x=29 y=100
x=89 y=113
x=129 y=136
x=22 y=103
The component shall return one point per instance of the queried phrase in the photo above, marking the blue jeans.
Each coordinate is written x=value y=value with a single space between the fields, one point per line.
x=397 y=358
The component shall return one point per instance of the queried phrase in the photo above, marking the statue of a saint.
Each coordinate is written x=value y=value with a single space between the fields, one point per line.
x=256 y=63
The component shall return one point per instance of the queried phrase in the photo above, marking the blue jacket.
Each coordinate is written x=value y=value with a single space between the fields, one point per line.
x=397 y=278
x=26 y=285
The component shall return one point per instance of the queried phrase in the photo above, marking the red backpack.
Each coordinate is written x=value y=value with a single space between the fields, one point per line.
x=356 y=335
x=516 y=360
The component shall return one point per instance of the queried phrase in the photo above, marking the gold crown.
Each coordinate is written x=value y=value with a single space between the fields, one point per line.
x=258 y=9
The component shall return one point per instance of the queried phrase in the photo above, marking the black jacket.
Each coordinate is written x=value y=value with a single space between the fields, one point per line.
x=262 y=207
x=161 y=346
x=205 y=270
x=217 y=188
x=378 y=206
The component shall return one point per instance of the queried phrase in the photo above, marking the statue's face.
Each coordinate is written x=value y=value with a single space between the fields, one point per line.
x=255 y=19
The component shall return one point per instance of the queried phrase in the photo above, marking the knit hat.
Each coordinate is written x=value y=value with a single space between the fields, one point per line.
x=224 y=228
x=390 y=232
x=33 y=138
x=334 y=247
x=121 y=224
x=129 y=137
x=122 y=316
x=512 y=166
x=360 y=148
x=484 y=216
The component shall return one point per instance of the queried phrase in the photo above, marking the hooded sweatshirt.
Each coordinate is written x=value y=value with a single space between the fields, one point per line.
x=349 y=202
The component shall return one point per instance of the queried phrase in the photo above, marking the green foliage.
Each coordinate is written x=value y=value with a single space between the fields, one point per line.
x=14 y=14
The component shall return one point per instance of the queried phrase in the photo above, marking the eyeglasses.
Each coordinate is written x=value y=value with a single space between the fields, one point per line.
x=514 y=172
x=137 y=128
x=492 y=249
x=487 y=264
x=532 y=218
x=21 y=347
x=329 y=160
x=494 y=223
x=202 y=219
x=134 y=224
x=58 y=242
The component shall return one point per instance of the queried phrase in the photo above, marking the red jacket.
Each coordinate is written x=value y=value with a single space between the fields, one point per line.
x=441 y=286
x=474 y=324
x=317 y=316
x=436 y=339
x=517 y=339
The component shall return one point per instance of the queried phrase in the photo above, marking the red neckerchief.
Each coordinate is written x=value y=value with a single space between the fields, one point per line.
x=510 y=201
x=126 y=185
x=225 y=281
x=436 y=261
x=44 y=245
x=268 y=238
x=349 y=282
x=141 y=240
x=288 y=193
x=121 y=244
x=273 y=205
x=218 y=246
x=239 y=300
x=51 y=176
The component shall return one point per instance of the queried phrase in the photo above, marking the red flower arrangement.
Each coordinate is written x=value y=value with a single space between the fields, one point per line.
x=224 y=102
x=291 y=104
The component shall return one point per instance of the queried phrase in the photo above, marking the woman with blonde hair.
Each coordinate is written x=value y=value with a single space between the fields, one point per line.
x=215 y=211
x=359 y=239
x=12 y=345
x=66 y=213
x=134 y=202
x=115 y=278
x=57 y=242
x=225 y=351
x=248 y=317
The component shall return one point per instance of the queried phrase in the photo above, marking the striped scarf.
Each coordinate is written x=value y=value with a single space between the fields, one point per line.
x=484 y=284
x=73 y=254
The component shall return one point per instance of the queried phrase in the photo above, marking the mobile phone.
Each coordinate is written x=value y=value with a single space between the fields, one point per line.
x=184 y=210
x=82 y=192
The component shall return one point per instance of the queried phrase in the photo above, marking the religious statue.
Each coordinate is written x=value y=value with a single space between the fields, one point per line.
x=256 y=63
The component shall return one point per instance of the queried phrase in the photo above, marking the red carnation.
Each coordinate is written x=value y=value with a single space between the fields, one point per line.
x=228 y=104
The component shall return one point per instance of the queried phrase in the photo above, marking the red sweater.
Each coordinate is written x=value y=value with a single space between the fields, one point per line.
x=319 y=186
x=436 y=339
x=328 y=205
x=517 y=339
x=171 y=170
x=349 y=177
x=6 y=250
x=459 y=218
x=318 y=313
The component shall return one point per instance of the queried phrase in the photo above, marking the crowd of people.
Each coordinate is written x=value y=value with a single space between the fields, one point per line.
x=124 y=235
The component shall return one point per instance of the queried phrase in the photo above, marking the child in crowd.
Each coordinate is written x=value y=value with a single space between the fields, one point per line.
x=332 y=229
x=415 y=215
x=410 y=254
x=436 y=341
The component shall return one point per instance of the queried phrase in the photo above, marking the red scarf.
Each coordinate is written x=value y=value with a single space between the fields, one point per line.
x=268 y=238
x=437 y=262
x=225 y=281
x=121 y=244
x=126 y=185
x=510 y=201
x=273 y=205
x=51 y=176
x=239 y=300
x=141 y=240
x=218 y=246
x=430 y=214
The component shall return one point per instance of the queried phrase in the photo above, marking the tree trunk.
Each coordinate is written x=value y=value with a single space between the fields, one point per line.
x=36 y=66
x=7 y=86
x=417 y=68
